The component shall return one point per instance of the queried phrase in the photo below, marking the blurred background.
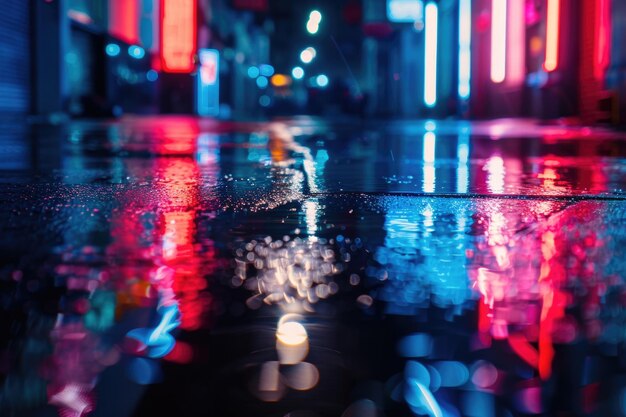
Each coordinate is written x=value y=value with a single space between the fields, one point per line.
x=474 y=59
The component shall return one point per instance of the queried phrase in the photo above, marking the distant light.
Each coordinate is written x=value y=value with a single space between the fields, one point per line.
x=152 y=75
x=297 y=73
x=136 y=52
x=307 y=55
x=291 y=333
x=552 y=36
x=430 y=58
x=264 y=101
x=465 y=42
x=498 y=40
x=321 y=80
x=516 y=50
x=280 y=80
x=253 y=72
x=410 y=11
x=266 y=70
x=430 y=126
x=262 y=82
x=315 y=16
x=312 y=27
x=112 y=49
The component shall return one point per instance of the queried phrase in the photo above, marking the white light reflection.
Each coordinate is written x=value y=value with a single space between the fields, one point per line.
x=311 y=210
x=429 y=162
x=462 y=170
x=495 y=175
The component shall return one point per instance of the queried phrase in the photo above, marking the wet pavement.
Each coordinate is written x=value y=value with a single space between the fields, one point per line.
x=174 y=266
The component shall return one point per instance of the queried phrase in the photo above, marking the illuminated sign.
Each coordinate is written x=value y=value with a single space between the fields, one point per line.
x=208 y=84
x=178 y=35
x=405 y=10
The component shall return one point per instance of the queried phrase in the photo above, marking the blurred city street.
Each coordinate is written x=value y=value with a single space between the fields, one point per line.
x=313 y=208
x=181 y=266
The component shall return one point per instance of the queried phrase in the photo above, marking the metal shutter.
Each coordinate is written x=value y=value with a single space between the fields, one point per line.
x=14 y=57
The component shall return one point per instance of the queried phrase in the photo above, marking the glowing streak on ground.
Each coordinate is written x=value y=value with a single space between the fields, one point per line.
x=552 y=36
x=462 y=170
x=429 y=162
x=498 y=41
x=465 y=54
x=430 y=56
x=516 y=66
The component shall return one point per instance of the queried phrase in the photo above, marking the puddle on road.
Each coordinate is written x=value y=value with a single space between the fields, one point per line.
x=229 y=275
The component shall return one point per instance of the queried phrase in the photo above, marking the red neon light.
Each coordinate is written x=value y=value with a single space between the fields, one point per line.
x=603 y=38
x=552 y=35
x=178 y=35
x=124 y=20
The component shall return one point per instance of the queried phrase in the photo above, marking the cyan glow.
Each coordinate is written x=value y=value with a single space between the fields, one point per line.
x=297 y=73
x=253 y=72
x=136 y=52
x=430 y=56
x=409 y=11
x=465 y=42
x=322 y=80
x=266 y=70
x=262 y=82
x=112 y=49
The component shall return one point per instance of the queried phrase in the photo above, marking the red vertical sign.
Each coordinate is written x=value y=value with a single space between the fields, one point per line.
x=178 y=35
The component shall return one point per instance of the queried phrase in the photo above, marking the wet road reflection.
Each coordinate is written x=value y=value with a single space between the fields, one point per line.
x=176 y=266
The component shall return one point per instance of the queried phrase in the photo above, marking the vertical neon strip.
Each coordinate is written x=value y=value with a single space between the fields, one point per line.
x=465 y=41
x=516 y=50
x=552 y=36
x=603 y=38
x=498 y=40
x=430 y=56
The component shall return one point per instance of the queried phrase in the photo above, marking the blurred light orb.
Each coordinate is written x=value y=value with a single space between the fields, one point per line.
x=112 y=49
x=253 y=72
x=291 y=333
x=322 y=80
x=297 y=73
x=266 y=70
x=312 y=27
x=264 y=101
x=152 y=75
x=307 y=55
x=262 y=82
x=136 y=52
x=315 y=16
